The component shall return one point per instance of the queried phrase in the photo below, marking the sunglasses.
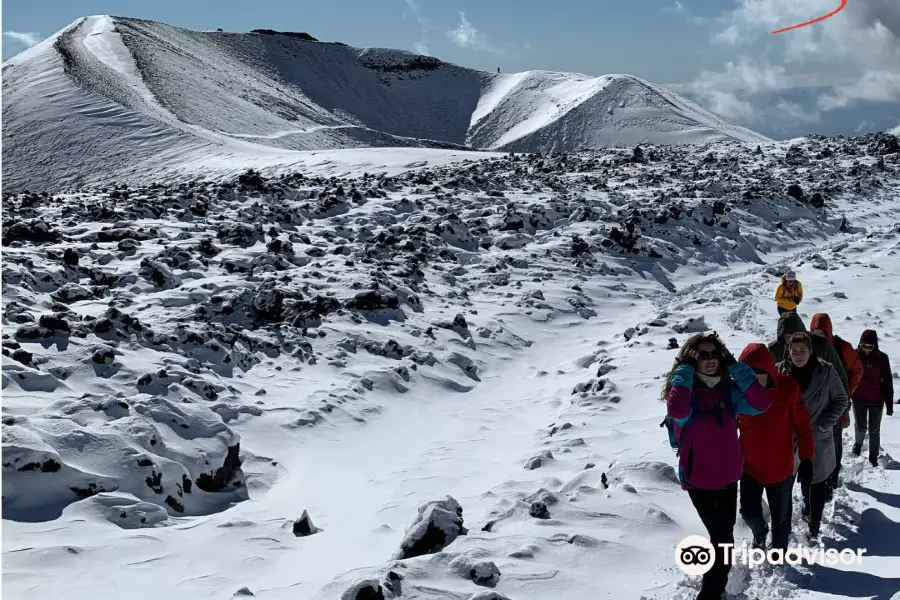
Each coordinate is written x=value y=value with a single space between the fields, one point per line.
x=867 y=346
x=707 y=355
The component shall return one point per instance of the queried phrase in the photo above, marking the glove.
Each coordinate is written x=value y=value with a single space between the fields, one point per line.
x=805 y=472
x=845 y=420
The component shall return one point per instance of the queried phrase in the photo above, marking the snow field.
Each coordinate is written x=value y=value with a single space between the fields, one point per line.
x=515 y=368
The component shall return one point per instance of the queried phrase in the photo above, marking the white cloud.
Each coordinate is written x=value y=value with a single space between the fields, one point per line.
x=421 y=46
x=872 y=86
x=28 y=39
x=745 y=76
x=466 y=36
x=726 y=92
x=732 y=106
x=855 y=53
x=797 y=113
x=894 y=130
x=678 y=8
x=417 y=12
x=859 y=47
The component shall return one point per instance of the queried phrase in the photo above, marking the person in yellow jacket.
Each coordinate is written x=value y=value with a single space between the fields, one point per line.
x=789 y=293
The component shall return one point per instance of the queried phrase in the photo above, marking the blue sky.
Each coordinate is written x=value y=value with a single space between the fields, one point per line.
x=718 y=52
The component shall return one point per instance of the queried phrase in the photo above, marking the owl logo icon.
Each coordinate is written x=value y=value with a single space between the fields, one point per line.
x=695 y=555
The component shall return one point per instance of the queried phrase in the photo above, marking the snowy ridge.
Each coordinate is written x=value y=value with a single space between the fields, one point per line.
x=116 y=99
x=280 y=380
x=564 y=112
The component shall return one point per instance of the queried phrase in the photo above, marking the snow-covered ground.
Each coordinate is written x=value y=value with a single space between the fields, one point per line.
x=189 y=369
x=110 y=99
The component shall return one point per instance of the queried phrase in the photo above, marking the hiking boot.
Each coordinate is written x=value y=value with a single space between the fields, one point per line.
x=873 y=460
x=857 y=449
x=759 y=542
x=813 y=532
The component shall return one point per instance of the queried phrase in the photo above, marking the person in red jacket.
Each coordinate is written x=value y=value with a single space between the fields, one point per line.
x=768 y=443
x=874 y=395
x=821 y=325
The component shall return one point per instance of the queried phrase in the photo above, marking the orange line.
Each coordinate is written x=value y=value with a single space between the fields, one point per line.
x=828 y=16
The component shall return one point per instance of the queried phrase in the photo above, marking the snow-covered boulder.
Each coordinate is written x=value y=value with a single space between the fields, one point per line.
x=438 y=523
x=177 y=456
x=691 y=325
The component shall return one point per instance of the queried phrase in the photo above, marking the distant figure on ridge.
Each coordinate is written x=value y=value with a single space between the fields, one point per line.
x=789 y=293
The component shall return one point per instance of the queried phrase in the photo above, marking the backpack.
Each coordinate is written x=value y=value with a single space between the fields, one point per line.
x=669 y=423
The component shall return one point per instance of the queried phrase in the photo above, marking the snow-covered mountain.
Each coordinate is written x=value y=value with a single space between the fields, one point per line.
x=267 y=387
x=111 y=99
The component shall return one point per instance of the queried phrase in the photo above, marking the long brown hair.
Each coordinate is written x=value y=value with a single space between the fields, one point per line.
x=691 y=344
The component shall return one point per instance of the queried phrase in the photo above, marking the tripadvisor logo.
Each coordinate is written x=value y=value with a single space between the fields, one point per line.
x=695 y=555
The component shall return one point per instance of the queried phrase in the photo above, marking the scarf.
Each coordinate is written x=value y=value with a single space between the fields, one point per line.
x=803 y=375
x=709 y=381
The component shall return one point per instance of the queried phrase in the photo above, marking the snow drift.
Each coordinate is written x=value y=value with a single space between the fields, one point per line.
x=110 y=98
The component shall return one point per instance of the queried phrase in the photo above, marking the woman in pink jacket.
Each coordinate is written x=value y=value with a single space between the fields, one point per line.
x=704 y=393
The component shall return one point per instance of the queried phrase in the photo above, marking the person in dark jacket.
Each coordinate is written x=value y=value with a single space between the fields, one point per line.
x=705 y=392
x=820 y=325
x=790 y=323
x=873 y=396
x=826 y=399
x=767 y=441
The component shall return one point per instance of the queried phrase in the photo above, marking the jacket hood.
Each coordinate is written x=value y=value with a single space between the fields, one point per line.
x=869 y=336
x=758 y=356
x=822 y=321
x=790 y=322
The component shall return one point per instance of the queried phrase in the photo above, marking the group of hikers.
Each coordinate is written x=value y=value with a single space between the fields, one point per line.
x=769 y=419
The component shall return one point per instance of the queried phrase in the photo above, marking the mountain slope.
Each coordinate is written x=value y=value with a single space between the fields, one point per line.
x=189 y=369
x=111 y=98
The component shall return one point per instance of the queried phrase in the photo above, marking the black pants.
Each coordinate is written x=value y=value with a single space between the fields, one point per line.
x=867 y=418
x=718 y=511
x=781 y=311
x=780 y=504
x=814 y=502
x=838 y=453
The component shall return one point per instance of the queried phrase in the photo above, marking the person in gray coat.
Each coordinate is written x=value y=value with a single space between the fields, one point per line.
x=826 y=399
